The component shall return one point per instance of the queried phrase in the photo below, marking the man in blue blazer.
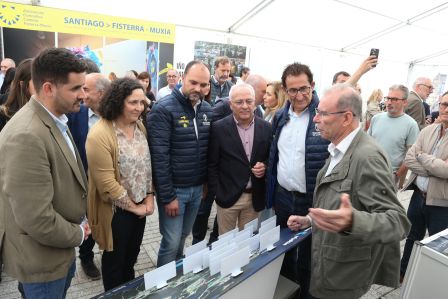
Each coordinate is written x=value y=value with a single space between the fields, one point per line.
x=79 y=124
x=238 y=153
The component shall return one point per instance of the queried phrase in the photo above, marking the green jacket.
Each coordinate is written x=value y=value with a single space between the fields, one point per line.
x=345 y=265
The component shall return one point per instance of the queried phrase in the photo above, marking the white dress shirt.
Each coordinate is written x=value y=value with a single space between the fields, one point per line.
x=337 y=152
x=291 y=152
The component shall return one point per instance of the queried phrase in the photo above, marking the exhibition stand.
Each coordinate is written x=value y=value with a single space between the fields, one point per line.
x=427 y=272
x=258 y=278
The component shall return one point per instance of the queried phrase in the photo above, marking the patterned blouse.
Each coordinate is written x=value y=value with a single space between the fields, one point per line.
x=135 y=166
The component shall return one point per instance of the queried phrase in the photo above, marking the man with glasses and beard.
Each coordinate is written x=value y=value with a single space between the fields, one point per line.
x=179 y=126
x=296 y=156
x=397 y=141
x=422 y=88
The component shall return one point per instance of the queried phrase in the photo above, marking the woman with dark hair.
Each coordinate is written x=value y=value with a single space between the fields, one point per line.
x=4 y=90
x=19 y=94
x=145 y=79
x=120 y=180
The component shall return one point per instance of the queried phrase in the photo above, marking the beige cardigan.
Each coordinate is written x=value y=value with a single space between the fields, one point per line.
x=104 y=177
x=435 y=167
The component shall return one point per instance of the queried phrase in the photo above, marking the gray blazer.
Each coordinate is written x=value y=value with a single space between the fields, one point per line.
x=43 y=197
x=416 y=110
x=344 y=265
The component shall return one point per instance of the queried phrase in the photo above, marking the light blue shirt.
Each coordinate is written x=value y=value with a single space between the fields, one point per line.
x=291 y=152
x=394 y=135
x=93 y=118
x=61 y=123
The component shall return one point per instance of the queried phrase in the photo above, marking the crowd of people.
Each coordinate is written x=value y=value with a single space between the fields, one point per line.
x=86 y=158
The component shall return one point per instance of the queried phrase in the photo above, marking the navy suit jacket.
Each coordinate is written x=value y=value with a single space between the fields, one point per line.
x=228 y=167
x=78 y=124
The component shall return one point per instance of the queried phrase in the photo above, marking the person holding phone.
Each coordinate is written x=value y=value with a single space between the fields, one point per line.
x=368 y=64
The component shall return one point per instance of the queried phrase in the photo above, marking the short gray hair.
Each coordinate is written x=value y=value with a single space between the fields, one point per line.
x=420 y=80
x=404 y=90
x=241 y=86
x=349 y=99
x=102 y=83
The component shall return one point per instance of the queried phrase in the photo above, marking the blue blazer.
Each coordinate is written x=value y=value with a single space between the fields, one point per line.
x=78 y=124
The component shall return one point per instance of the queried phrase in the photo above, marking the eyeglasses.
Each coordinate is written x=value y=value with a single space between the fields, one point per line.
x=429 y=86
x=294 y=91
x=248 y=102
x=171 y=77
x=443 y=105
x=325 y=113
x=392 y=99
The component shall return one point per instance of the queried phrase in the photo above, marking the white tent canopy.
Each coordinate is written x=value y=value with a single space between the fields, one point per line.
x=349 y=26
x=329 y=35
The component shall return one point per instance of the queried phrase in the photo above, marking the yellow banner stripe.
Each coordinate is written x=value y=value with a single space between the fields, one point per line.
x=30 y=17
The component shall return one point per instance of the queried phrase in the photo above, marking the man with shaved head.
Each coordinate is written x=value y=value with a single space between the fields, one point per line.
x=422 y=88
x=179 y=126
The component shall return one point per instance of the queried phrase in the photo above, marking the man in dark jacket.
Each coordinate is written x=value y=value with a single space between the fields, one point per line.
x=179 y=127
x=79 y=124
x=220 y=85
x=297 y=154
x=221 y=110
x=239 y=149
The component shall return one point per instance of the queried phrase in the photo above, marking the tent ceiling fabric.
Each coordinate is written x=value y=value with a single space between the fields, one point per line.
x=404 y=31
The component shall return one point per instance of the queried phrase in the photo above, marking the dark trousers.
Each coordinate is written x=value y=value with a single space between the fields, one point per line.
x=201 y=222
x=297 y=262
x=117 y=266
x=86 y=250
x=422 y=217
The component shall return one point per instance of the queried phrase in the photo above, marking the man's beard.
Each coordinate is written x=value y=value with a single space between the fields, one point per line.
x=195 y=96
x=223 y=79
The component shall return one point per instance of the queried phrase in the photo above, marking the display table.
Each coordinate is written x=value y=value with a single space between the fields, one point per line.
x=258 y=280
x=427 y=273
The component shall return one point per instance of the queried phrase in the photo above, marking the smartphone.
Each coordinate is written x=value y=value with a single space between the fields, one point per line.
x=374 y=52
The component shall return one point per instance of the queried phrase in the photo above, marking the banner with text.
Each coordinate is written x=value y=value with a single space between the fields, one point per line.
x=30 y=17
